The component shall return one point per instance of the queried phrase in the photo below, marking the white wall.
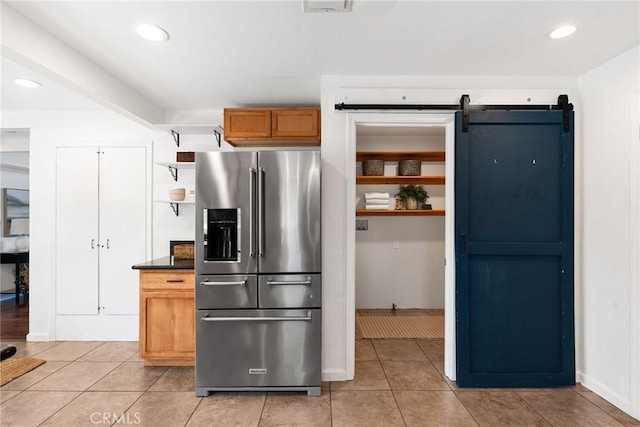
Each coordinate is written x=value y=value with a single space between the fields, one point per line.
x=166 y=225
x=611 y=231
x=411 y=276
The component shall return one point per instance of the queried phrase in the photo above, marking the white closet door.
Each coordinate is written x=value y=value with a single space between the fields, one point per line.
x=77 y=230
x=123 y=195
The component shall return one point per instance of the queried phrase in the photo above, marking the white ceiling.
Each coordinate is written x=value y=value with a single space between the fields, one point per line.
x=51 y=96
x=242 y=53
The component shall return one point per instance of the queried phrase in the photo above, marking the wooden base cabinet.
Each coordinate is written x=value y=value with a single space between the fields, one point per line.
x=167 y=333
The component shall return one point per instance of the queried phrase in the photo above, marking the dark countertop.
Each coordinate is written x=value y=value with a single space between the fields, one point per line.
x=165 y=263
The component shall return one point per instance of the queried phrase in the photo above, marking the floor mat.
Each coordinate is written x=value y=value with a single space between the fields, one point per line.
x=427 y=326
x=14 y=367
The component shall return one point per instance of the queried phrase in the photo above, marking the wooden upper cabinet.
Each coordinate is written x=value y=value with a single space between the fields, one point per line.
x=295 y=123
x=244 y=123
x=272 y=126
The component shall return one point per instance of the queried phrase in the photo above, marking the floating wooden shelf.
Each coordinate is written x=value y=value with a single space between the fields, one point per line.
x=386 y=212
x=394 y=156
x=381 y=180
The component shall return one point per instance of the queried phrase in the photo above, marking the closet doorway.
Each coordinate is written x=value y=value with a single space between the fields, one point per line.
x=401 y=284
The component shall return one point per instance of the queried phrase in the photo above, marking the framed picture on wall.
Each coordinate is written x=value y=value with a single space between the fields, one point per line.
x=15 y=204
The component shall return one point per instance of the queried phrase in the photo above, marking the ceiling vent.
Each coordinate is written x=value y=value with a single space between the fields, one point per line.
x=327 y=5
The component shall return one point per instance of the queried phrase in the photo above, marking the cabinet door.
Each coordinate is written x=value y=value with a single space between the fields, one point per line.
x=295 y=123
x=167 y=328
x=247 y=123
x=77 y=230
x=123 y=191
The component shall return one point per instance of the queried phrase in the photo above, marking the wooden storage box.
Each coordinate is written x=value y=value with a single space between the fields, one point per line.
x=185 y=156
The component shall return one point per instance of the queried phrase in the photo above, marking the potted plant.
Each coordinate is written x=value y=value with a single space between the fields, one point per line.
x=411 y=195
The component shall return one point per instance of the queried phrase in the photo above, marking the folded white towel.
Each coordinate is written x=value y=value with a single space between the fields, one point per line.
x=368 y=196
x=377 y=201
x=383 y=207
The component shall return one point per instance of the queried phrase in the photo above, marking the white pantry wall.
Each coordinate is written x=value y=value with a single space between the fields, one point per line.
x=411 y=275
x=610 y=292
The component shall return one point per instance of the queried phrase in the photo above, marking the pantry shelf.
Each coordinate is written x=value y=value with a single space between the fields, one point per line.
x=405 y=212
x=381 y=180
x=395 y=156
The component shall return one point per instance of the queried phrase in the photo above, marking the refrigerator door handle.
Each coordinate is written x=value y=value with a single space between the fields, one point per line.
x=306 y=318
x=299 y=282
x=252 y=214
x=261 y=211
x=240 y=283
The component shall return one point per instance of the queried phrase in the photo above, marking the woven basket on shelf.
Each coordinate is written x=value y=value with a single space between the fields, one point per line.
x=373 y=167
x=183 y=251
x=409 y=168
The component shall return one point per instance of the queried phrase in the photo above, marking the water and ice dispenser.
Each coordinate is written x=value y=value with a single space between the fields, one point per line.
x=223 y=226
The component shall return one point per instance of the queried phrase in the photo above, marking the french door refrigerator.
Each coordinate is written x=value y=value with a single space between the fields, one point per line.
x=258 y=271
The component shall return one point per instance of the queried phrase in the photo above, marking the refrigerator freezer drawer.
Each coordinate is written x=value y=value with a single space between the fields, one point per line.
x=290 y=291
x=258 y=348
x=232 y=291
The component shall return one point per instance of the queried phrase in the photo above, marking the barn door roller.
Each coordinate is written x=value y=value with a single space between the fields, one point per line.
x=464 y=106
x=565 y=106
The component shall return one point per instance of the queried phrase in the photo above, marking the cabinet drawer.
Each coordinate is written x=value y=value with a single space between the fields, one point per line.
x=167 y=279
x=290 y=291
x=262 y=348
x=226 y=292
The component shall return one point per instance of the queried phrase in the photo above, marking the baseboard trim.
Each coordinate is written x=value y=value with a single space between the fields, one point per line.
x=604 y=392
x=334 y=375
x=97 y=328
x=32 y=336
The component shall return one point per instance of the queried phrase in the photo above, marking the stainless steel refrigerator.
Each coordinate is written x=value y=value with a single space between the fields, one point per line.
x=258 y=271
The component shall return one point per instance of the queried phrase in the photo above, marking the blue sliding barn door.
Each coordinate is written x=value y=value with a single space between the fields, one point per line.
x=514 y=249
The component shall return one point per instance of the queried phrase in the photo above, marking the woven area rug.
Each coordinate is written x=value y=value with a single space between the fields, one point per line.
x=14 y=367
x=428 y=326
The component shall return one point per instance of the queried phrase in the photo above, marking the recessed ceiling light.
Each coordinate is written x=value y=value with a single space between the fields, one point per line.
x=27 y=82
x=327 y=5
x=563 y=31
x=152 y=32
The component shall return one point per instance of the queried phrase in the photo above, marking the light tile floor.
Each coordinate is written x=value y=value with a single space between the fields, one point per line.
x=398 y=382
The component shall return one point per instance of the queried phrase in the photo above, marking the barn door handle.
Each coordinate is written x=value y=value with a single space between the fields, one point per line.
x=463 y=245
